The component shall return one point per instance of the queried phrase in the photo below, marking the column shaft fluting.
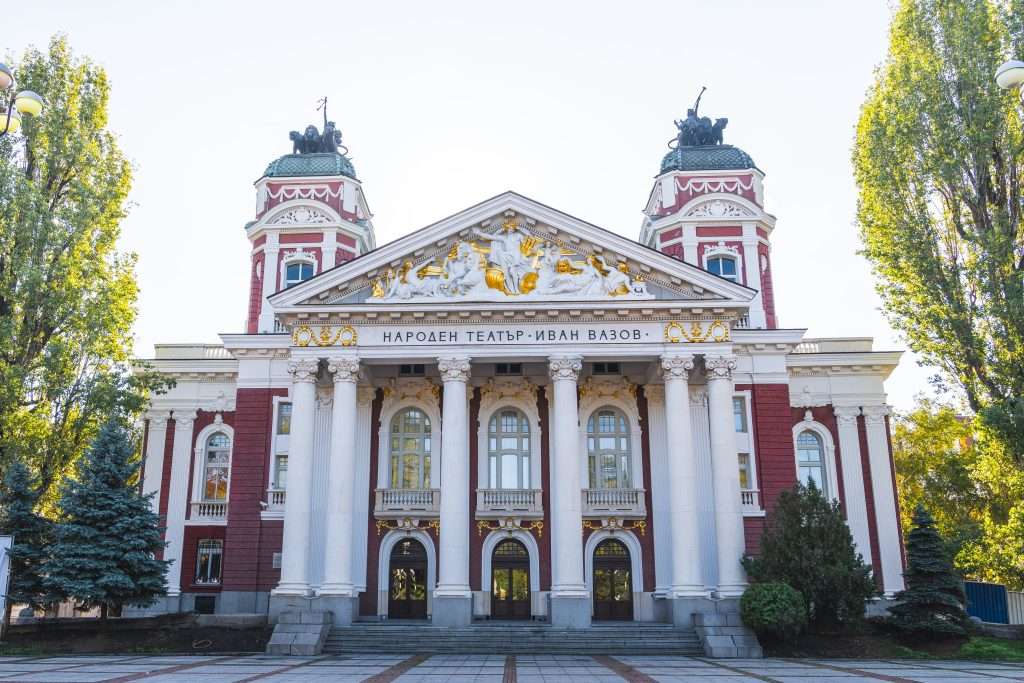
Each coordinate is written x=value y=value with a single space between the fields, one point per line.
x=341 y=479
x=453 y=572
x=566 y=505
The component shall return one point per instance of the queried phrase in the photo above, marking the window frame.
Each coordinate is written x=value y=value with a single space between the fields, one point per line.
x=217 y=543
x=427 y=467
x=199 y=465
x=279 y=443
x=496 y=454
x=299 y=256
x=625 y=479
x=824 y=434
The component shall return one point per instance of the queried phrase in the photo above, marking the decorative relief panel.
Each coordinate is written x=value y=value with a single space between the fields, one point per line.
x=302 y=215
x=606 y=387
x=697 y=331
x=397 y=391
x=708 y=185
x=718 y=208
x=502 y=390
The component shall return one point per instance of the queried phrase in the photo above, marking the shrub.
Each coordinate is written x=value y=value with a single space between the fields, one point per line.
x=808 y=546
x=775 y=610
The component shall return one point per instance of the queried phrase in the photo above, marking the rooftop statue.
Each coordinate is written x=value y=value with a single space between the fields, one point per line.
x=311 y=141
x=697 y=130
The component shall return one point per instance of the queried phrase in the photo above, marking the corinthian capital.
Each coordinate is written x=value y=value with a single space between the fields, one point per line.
x=304 y=370
x=158 y=418
x=344 y=369
x=453 y=368
x=183 y=419
x=565 y=367
x=676 y=366
x=720 y=366
x=846 y=415
x=875 y=415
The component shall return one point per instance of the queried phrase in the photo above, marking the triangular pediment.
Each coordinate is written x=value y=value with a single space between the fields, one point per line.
x=509 y=250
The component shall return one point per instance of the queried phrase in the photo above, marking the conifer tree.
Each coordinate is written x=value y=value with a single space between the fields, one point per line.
x=107 y=534
x=933 y=602
x=808 y=545
x=33 y=535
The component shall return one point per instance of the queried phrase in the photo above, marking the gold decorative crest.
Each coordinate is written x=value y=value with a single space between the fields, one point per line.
x=326 y=335
x=696 y=331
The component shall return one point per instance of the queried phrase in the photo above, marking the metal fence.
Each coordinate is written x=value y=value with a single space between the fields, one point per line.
x=987 y=601
x=1015 y=607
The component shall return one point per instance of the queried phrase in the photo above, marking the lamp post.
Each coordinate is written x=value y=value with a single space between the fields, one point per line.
x=25 y=103
x=1010 y=76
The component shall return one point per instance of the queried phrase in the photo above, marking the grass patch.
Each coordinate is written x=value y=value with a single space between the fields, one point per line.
x=20 y=650
x=992 y=648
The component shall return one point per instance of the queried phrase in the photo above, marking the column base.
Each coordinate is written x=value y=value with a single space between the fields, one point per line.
x=452 y=610
x=571 y=611
x=681 y=610
x=731 y=592
x=280 y=603
x=343 y=608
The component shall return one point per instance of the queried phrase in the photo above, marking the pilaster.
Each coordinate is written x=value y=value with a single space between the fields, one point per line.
x=177 y=497
x=854 y=496
x=886 y=510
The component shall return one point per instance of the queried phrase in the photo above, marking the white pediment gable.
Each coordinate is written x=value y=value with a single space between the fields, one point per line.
x=511 y=249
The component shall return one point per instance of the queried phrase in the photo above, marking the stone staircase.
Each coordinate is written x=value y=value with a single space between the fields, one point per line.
x=507 y=638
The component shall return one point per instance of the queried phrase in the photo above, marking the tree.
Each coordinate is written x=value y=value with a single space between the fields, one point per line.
x=938 y=161
x=808 y=546
x=933 y=602
x=66 y=295
x=33 y=535
x=107 y=533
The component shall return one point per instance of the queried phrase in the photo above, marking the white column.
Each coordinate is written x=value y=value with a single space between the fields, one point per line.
x=341 y=474
x=453 y=573
x=295 y=544
x=687 y=577
x=156 y=440
x=661 y=491
x=853 y=479
x=567 y=578
x=361 y=498
x=725 y=476
x=690 y=245
x=177 y=497
x=752 y=272
x=270 y=252
x=329 y=249
x=886 y=511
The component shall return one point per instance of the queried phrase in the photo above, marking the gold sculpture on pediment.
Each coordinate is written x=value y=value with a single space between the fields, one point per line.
x=510 y=262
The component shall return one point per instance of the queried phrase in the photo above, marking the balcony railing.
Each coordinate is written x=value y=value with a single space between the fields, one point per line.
x=275 y=499
x=614 y=503
x=392 y=503
x=750 y=500
x=491 y=503
x=216 y=511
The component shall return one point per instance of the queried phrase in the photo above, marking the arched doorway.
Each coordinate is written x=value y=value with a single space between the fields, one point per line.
x=613 y=581
x=407 y=581
x=510 y=581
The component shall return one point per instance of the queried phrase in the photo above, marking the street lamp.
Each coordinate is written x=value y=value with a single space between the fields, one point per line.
x=25 y=103
x=1010 y=76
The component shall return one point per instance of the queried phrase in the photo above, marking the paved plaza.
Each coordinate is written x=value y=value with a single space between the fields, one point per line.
x=485 y=668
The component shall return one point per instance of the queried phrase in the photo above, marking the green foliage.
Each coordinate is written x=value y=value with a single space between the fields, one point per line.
x=775 y=610
x=993 y=649
x=808 y=546
x=67 y=296
x=938 y=162
x=954 y=467
x=32 y=533
x=933 y=602
x=107 y=533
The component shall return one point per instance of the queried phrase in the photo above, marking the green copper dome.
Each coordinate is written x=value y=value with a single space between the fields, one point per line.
x=323 y=163
x=706 y=158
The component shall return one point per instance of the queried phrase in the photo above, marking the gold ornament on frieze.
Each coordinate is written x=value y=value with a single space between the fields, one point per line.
x=324 y=335
x=697 y=331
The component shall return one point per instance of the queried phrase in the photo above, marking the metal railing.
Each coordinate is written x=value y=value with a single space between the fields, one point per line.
x=393 y=502
x=210 y=510
x=620 y=502
x=524 y=502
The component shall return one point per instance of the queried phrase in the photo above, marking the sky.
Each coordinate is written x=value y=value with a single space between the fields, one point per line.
x=444 y=104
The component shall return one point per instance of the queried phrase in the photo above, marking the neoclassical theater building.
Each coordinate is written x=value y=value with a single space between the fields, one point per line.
x=510 y=413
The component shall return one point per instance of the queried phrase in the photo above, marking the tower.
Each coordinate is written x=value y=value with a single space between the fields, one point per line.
x=707 y=208
x=311 y=215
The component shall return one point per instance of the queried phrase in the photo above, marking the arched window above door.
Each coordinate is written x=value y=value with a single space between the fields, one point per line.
x=508 y=450
x=609 y=450
x=410 y=449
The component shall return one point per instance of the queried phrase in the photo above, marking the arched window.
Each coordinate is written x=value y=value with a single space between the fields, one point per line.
x=608 y=450
x=508 y=450
x=410 y=450
x=296 y=272
x=810 y=460
x=724 y=266
x=215 y=467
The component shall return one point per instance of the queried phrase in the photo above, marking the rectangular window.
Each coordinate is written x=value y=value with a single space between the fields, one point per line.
x=411 y=370
x=739 y=413
x=508 y=369
x=209 y=557
x=746 y=475
x=606 y=369
x=281 y=471
x=284 y=418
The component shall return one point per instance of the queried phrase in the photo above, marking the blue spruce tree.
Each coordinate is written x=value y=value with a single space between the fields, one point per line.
x=33 y=535
x=107 y=535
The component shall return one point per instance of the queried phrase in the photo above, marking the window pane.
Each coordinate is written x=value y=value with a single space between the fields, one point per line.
x=493 y=470
x=524 y=476
x=281 y=472
x=509 y=443
x=284 y=418
x=509 y=467
x=739 y=413
x=426 y=472
x=744 y=462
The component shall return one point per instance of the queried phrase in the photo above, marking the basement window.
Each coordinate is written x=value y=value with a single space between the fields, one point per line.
x=508 y=368
x=607 y=369
x=411 y=370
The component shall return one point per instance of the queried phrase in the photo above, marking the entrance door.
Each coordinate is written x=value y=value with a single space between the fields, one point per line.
x=613 y=581
x=510 y=581
x=407 y=583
